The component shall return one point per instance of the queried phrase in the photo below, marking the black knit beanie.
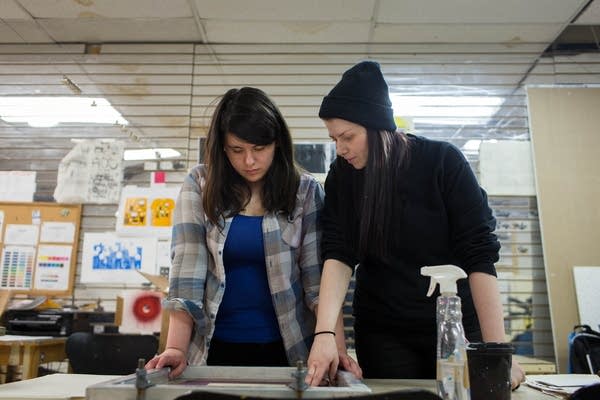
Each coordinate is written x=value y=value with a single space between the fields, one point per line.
x=362 y=97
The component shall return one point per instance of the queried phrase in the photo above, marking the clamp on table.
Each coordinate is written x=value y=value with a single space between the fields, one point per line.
x=141 y=380
x=299 y=375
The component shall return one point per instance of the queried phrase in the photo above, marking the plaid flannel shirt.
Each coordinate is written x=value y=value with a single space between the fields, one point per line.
x=292 y=257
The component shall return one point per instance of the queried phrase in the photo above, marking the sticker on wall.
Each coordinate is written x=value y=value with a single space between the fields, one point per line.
x=36 y=217
x=142 y=312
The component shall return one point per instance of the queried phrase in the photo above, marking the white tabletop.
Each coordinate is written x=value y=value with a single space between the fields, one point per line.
x=23 y=338
x=52 y=387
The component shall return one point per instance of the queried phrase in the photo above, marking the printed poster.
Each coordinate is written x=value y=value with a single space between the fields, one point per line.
x=53 y=265
x=147 y=210
x=110 y=258
x=91 y=172
x=142 y=312
x=17 y=267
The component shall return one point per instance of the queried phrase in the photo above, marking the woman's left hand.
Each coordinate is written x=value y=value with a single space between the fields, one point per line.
x=347 y=363
x=517 y=375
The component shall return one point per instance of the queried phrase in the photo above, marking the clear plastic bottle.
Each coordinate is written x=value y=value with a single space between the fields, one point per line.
x=452 y=367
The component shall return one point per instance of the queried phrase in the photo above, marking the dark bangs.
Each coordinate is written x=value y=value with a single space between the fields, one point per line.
x=259 y=128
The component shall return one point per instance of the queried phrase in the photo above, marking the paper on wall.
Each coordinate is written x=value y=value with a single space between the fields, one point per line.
x=57 y=232
x=17 y=185
x=587 y=281
x=21 y=234
x=163 y=254
x=506 y=168
x=17 y=267
x=91 y=172
x=53 y=264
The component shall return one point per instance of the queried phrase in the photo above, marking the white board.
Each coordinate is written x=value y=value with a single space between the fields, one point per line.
x=506 y=168
x=587 y=290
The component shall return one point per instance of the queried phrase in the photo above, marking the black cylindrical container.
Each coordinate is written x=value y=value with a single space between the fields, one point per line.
x=489 y=370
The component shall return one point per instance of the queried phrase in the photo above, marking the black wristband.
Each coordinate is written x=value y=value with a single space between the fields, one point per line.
x=322 y=332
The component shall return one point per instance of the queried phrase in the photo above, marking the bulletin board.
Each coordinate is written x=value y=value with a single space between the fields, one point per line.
x=38 y=244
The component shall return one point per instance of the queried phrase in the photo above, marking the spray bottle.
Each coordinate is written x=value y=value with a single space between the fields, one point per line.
x=452 y=367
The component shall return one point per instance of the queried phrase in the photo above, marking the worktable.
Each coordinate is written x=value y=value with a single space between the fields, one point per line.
x=72 y=387
x=30 y=351
x=535 y=366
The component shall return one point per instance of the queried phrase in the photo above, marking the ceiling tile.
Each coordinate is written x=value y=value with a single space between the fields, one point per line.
x=512 y=24
x=8 y=35
x=122 y=30
x=28 y=32
x=11 y=10
x=286 y=32
x=591 y=15
x=478 y=11
x=287 y=10
x=107 y=8
x=511 y=34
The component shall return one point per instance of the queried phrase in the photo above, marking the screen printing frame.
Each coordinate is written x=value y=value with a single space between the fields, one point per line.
x=270 y=382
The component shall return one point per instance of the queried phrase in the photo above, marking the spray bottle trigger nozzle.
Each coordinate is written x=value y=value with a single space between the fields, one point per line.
x=432 y=284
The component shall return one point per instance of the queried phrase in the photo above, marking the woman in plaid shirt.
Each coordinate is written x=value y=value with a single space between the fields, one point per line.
x=245 y=247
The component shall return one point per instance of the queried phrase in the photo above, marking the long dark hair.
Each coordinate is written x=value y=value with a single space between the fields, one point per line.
x=388 y=158
x=249 y=114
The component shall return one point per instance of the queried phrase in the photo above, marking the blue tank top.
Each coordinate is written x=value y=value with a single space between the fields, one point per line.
x=246 y=313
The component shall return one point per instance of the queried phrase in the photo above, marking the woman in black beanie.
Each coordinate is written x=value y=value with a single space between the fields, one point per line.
x=394 y=203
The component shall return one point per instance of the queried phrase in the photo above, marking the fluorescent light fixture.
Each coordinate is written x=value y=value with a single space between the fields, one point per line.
x=150 y=154
x=446 y=110
x=51 y=111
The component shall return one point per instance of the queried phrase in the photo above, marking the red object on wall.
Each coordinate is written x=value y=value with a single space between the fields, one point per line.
x=159 y=177
x=146 y=308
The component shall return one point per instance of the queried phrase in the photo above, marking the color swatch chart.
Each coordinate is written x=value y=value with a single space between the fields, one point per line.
x=52 y=268
x=53 y=261
x=17 y=267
